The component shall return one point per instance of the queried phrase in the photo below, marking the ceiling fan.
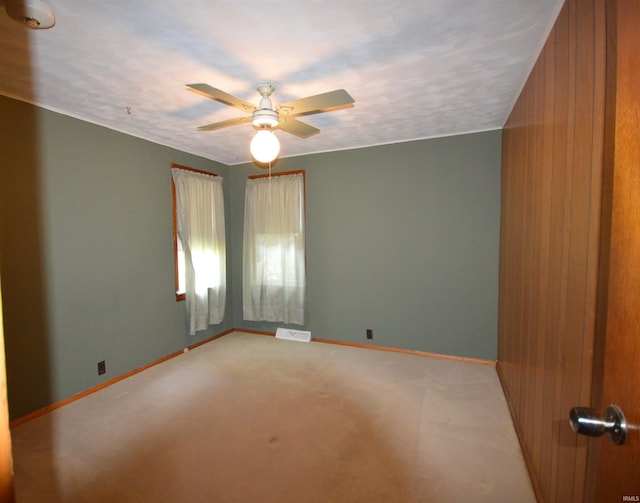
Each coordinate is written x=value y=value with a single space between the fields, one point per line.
x=264 y=116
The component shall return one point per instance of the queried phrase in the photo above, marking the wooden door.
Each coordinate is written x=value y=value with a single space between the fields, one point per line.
x=6 y=460
x=613 y=473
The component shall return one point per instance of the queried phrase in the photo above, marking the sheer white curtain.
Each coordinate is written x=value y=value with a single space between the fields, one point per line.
x=274 y=275
x=200 y=222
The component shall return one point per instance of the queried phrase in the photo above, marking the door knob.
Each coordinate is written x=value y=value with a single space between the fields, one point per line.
x=587 y=421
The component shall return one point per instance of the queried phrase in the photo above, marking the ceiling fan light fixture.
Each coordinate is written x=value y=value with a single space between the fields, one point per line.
x=265 y=146
x=33 y=14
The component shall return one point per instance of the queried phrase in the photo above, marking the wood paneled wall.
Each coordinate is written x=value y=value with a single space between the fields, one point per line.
x=551 y=190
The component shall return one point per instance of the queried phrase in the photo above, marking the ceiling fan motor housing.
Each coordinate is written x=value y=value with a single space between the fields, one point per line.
x=265 y=117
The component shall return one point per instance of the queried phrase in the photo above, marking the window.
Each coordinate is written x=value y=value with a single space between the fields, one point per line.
x=181 y=287
x=274 y=269
x=199 y=245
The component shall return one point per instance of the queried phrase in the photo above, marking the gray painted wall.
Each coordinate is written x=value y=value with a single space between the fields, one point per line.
x=86 y=256
x=402 y=239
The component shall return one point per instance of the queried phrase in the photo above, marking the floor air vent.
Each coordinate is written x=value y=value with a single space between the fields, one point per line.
x=293 y=335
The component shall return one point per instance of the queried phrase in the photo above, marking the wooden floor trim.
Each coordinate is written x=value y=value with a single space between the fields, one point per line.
x=40 y=412
x=385 y=348
x=440 y=356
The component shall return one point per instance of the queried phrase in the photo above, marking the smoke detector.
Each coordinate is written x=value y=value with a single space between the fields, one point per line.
x=33 y=14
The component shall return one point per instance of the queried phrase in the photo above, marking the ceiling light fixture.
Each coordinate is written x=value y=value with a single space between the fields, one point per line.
x=33 y=14
x=265 y=146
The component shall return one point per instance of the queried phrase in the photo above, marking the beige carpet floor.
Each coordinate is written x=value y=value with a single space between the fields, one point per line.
x=251 y=418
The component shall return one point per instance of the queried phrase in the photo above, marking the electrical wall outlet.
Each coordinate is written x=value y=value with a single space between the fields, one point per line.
x=369 y=333
x=102 y=367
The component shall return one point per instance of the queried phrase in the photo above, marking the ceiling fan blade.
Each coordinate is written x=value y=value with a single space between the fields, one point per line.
x=216 y=94
x=223 y=124
x=296 y=127
x=324 y=102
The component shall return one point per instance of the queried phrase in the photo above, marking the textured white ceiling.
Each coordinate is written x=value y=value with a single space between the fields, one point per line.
x=416 y=68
